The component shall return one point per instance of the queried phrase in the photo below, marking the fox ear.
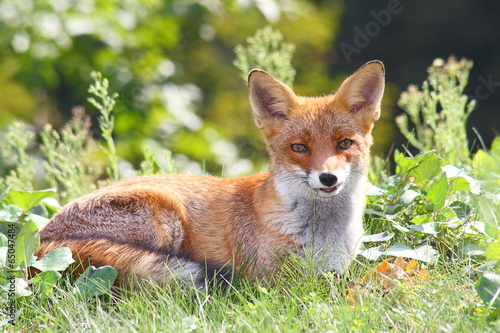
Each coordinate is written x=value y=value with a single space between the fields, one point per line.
x=271 y=100
x=362 y=92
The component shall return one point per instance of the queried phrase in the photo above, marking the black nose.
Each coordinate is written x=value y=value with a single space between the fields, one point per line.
x=328 y=179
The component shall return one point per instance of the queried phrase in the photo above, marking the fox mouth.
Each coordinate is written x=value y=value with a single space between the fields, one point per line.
x=328 y=189
x=328 y=192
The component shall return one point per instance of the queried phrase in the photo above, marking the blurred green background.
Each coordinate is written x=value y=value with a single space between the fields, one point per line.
x=172 y=64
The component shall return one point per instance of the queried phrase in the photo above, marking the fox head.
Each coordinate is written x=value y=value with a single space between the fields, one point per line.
x=318 y=144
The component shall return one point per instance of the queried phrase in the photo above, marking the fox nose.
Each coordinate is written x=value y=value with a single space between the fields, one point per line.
x=328 y=179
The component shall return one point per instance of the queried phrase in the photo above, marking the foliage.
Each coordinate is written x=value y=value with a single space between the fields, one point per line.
x=266 y=50
x=106 y=120
x=430 y=206
x=485 y=168
x=18 y=241
x=439 y=111
x=70 y=161
x=14 y=143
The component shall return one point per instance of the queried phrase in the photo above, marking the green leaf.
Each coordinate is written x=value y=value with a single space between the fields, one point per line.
x=373 y=253
x=26 y=242
x=51 y=204
x=459 y=181
x=10 y=213
x=483 y=164
x=4 y=241
x=405 y=164
x=45 y=282
x=20 y=287
x=4 y=193
x=56 y=260
x=438 y=191
x=423 y=253
x=28 y=199
x=470 y=250
x=430 y=228
x=427 y=169
x=446 y=214
x=95 y=281
x=492 y=231
x=408 y=196
x=380 y=237
x=422 y=219
x=488 y=288
x=492 y=251
x=40 y=221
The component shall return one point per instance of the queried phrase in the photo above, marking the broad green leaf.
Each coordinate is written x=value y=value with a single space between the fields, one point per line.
x=4 y=241
x=430 y=228
x=426 y=170
x=4 y=193
x=492 y=251
x=408 y=196
x=18 y=285
x=438 y=191
x=405 y=164
x=28 y=199
x=10 y=213
x=51 y=204
x=380 y=237
x=374 y=190
x=478 y=227
x=488 y=288
x=422 y=219
x=423 y=253
x=488 y=267
x=44 y=282
x=459 y=181
x=446 y=214
x=56 y=260
x=492 y=231
x=95 y=281
x=459 y=184
x=26 y=242
x=373 y=253
x=470 y=250
x=483 y=164
x=40 y=221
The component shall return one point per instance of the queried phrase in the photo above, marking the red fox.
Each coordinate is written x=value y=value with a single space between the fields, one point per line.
x=164 y=227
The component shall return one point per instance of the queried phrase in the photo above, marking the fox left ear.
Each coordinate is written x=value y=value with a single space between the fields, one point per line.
x=362 y=92
x=271 y=99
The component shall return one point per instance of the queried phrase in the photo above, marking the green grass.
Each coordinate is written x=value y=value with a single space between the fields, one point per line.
x=443 y=303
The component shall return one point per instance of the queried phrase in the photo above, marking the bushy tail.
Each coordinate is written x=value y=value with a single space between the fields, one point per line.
x=134 y=263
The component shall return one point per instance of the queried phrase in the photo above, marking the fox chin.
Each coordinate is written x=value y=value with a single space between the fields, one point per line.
x=197 y=227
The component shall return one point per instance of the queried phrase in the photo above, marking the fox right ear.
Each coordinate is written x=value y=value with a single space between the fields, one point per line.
x=271 y=99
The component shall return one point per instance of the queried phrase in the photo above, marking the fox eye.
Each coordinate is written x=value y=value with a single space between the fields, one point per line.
x=345 y=144
x=299 y=148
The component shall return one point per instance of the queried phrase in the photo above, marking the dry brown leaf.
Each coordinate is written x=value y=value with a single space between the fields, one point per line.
x=386 y=275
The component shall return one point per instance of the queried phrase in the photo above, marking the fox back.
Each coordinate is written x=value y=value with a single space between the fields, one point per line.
x=189 y=227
